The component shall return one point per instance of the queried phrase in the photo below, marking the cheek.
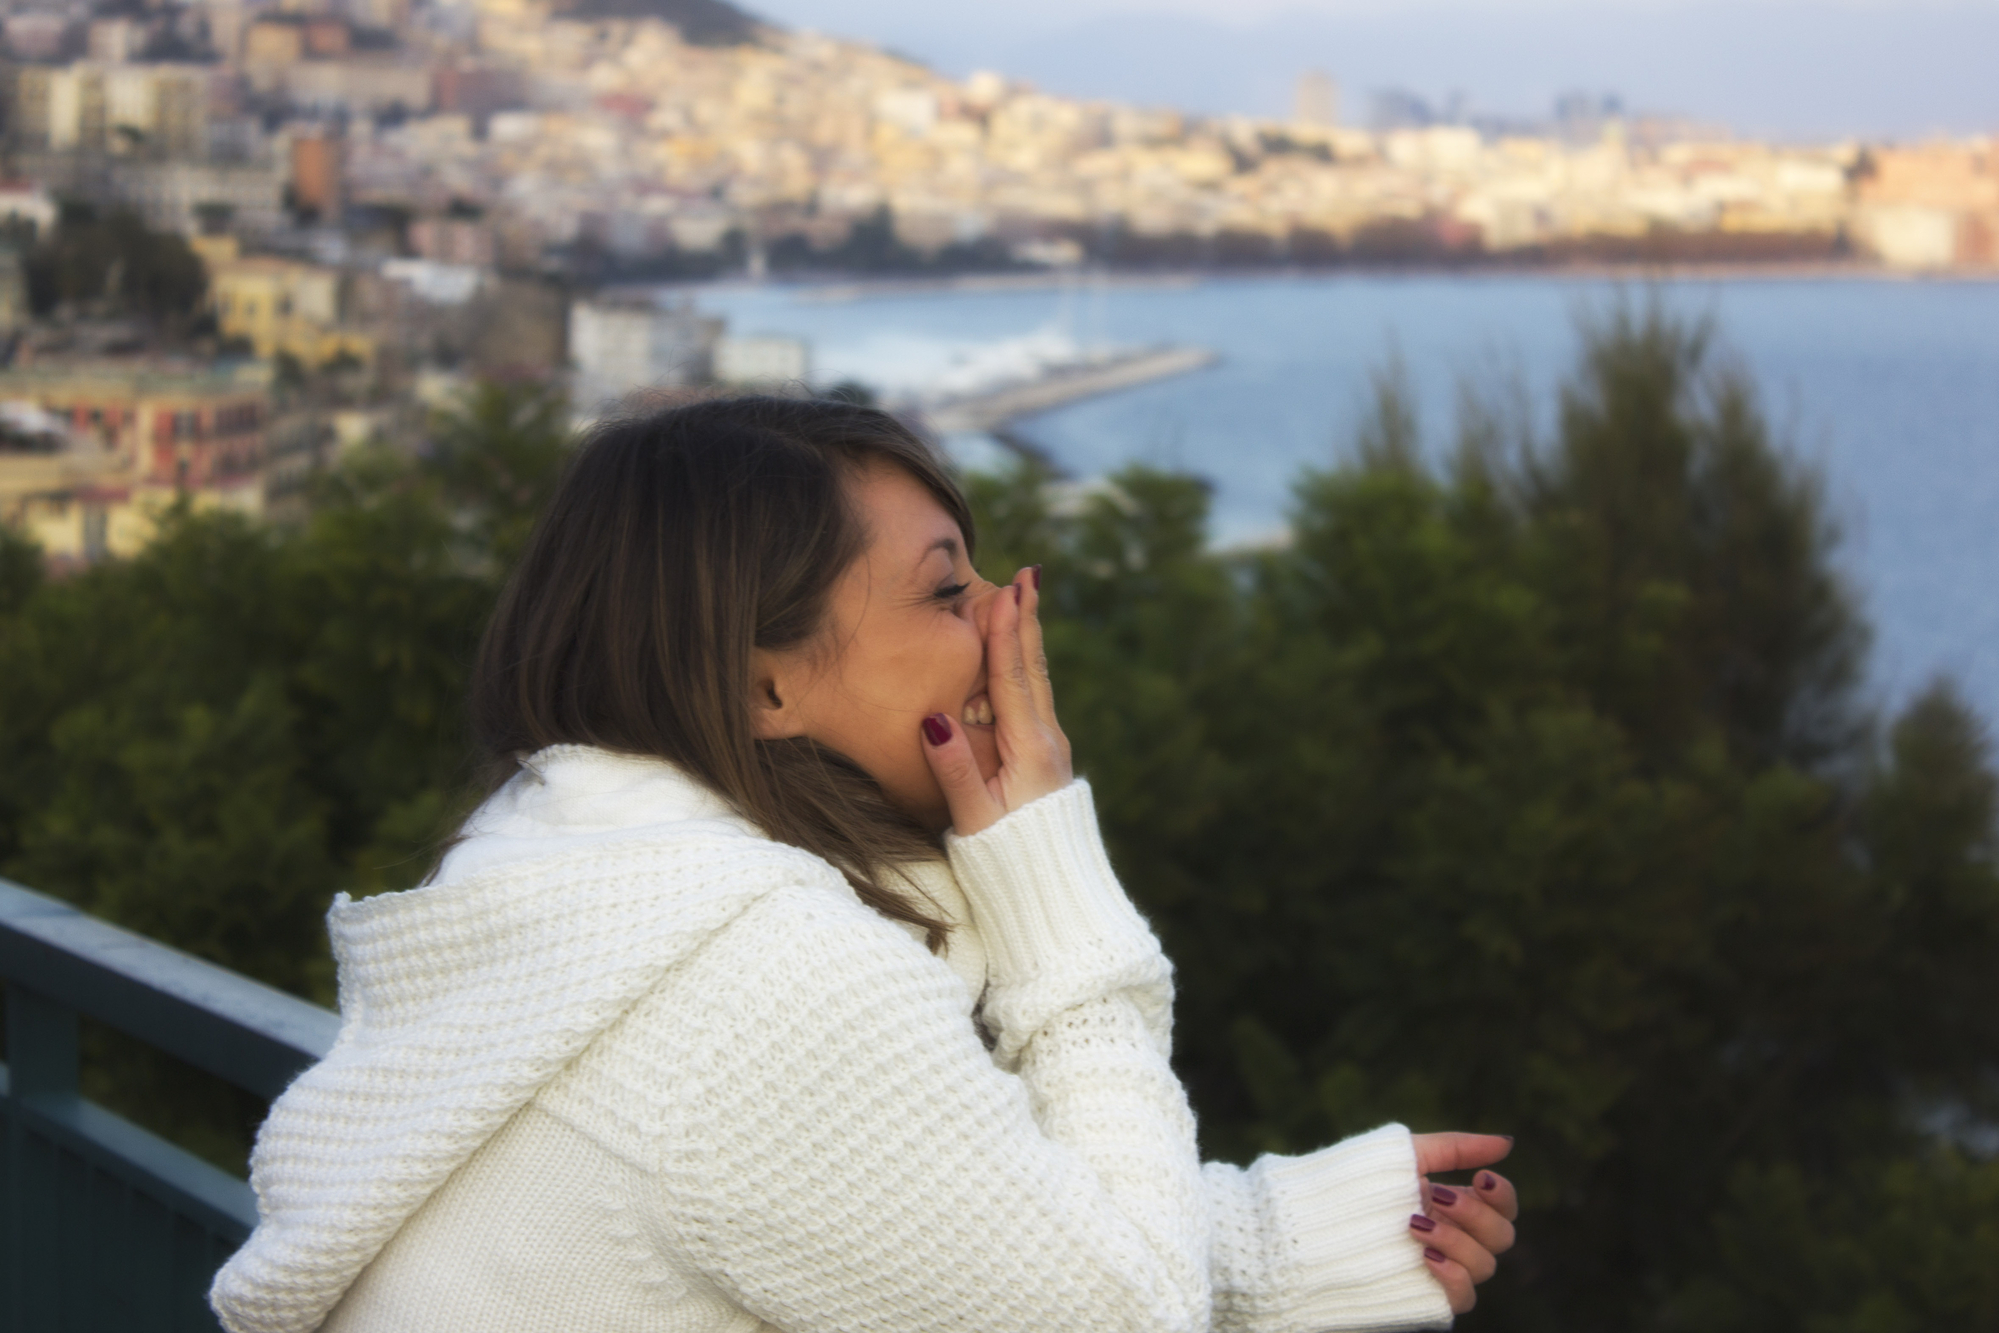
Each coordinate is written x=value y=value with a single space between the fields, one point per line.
x=938 y=668
x=883 y=688
x=927 y=668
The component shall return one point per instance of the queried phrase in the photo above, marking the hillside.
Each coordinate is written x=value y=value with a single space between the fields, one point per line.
x=703 y=22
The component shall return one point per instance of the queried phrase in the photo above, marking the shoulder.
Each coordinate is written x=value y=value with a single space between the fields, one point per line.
x=811 y=949
x=802 y=981
x=802 y=965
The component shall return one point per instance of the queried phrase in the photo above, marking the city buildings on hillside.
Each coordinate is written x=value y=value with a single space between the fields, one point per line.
x=405 y=193
x=109 y=445
x=504 y=132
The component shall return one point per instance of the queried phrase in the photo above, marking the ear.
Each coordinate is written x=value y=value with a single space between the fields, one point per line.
x=774 y=691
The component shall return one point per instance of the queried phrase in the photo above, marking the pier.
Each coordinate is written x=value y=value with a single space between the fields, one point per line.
x=993 y=410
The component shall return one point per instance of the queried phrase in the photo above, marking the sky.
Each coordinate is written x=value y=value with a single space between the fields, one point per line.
x=1797 y=70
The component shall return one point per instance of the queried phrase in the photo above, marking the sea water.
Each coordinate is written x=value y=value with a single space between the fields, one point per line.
x=1889 y=387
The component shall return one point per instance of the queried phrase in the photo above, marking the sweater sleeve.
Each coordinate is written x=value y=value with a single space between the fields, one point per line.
x=1321 y=1242
x=845 y=1154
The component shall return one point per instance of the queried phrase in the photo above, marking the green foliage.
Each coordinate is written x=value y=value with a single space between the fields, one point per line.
x=20 y=570
x=1901 y=1246
x=498 y=454
x=207 y=741
x=1533 y=794
x=117 y=264
x=1690 y=558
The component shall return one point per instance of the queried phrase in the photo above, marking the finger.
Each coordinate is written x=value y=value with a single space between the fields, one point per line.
x=973 y=806
x=1477 y=1262
x=1457 y=1283
x=1473 y=1214
x=1495 y=1189
x=1031 y=649
x=1498 y=1193
x=1006 y=673
x=1458 y=1152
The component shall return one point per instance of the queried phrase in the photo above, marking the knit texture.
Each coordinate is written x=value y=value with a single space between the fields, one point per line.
x=628 y=1065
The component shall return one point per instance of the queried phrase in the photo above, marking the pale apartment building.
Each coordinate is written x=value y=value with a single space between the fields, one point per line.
x=624 y=342
x=1933 y=206
x=763 y=362
x=280 y=305
x=110 y=107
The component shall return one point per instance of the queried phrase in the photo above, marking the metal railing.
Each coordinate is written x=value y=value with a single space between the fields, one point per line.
x=106 y=1225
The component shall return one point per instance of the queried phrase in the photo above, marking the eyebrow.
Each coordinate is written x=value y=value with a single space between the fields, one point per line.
x=948 y=545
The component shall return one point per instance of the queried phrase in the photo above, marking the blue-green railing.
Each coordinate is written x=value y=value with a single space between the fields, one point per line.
x=107 y=1226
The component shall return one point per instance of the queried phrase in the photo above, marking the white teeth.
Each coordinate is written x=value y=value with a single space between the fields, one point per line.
x=986 y=711
x=971 y=714
x=979 y=712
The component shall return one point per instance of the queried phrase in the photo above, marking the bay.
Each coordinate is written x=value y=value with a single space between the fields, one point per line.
x=1889 y=387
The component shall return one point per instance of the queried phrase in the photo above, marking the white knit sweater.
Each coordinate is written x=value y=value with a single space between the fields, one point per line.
x=630 y=1065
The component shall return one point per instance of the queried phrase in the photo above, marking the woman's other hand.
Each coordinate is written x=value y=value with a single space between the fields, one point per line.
x=1464 y=1230
x=1033 y=752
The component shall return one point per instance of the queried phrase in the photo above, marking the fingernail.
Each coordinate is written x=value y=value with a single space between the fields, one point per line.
x=937 y=728
x=1016 y=594
x=1434 y=1255
x=1507 y=1137
x=1422 y=1223
x=1443 y=1194
x=1037 y=578
x=1488 y=1181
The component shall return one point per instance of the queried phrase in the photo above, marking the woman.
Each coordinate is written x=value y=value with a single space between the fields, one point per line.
x=784 y=982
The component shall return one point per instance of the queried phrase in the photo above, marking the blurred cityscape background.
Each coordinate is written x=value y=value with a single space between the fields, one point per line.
x=242 y=236
x=1515 y=481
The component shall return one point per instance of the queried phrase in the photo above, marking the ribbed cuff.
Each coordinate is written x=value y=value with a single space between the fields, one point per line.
x=1058 y=929
x=1340 y=1219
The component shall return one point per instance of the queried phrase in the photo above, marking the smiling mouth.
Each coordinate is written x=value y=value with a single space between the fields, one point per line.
x=978 y=711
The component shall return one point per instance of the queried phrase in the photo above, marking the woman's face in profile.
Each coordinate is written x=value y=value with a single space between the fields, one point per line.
x=905 y=637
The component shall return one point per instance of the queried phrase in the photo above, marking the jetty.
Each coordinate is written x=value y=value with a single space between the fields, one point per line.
x=992 y=410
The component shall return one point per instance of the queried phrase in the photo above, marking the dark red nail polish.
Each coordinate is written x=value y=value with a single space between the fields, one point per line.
x=1434 y=1255
x=1488 y=1181
x=937 y=728
x=1037 y=578
x=1444 y=1195
x=1016 y=594
x=1422 y=1223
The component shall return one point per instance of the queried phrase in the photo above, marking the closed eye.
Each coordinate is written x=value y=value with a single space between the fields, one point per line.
x=952 y=593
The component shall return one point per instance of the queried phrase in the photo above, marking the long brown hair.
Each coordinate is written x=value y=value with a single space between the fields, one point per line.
x=677 y=542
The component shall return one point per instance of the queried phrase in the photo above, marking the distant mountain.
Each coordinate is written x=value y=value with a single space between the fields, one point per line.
x=703 y=22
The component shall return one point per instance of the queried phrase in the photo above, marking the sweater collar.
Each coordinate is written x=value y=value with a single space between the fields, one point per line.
x=583 y=787
x=567 y=797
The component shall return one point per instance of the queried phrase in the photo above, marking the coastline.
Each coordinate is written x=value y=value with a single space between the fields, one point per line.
x=840 y=289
